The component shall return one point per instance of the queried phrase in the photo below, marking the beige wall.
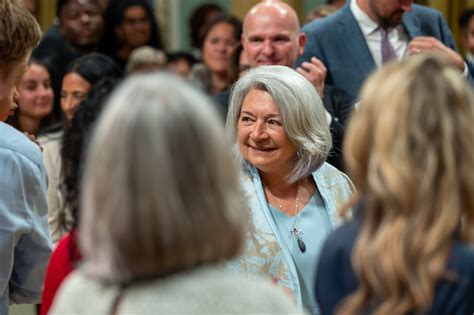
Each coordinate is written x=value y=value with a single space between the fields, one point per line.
x=47 y=11
x=451 y=11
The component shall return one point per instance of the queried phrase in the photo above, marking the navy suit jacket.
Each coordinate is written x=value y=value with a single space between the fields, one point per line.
x=339 y=43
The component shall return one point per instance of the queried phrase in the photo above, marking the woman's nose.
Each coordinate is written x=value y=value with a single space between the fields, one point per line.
x=259 y=132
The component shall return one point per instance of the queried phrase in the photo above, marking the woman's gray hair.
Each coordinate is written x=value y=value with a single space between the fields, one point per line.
x=301 y=110
x=161 y=192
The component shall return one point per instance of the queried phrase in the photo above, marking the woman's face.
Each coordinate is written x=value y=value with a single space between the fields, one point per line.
x=262 y=139
x=135 y=30
x=73 y=90
x=218 y=47
x=35 y=95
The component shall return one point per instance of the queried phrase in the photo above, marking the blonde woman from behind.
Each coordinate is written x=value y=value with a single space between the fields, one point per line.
x=409 y=151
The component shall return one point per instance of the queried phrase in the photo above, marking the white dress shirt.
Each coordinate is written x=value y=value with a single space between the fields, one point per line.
x=397 y=36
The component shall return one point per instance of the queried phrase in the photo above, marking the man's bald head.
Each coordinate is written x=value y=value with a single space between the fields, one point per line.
x=280 y=11
x=271 y=34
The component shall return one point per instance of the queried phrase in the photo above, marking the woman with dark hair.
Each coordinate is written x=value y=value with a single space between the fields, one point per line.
x=81 y=75
x=76 y=138
x=129 y=24
x=200 y=16
x=218 y=39
x=35 y=100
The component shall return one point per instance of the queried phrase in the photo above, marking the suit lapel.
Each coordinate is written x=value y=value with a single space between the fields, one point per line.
x=412 y=25
x=355 y=42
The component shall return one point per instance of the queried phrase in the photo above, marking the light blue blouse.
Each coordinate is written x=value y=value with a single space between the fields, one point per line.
x=314 y=223
x=265 y=252
x=25 y=244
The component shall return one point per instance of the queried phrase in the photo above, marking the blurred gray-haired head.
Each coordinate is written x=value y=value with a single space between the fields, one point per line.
x=145 y=59
x=300 y=107
x=161 y=192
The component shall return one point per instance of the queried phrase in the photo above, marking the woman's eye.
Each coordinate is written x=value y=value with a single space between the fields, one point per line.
x=214 y=40
x=30 y=87
x=274 y=122
x=79 y=96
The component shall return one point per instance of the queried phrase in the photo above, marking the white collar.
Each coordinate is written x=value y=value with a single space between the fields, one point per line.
x=366 y=24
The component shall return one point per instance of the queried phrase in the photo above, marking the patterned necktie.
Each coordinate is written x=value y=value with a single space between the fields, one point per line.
x=388 y=53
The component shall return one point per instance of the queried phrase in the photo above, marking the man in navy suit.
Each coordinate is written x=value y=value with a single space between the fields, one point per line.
x=350 y=42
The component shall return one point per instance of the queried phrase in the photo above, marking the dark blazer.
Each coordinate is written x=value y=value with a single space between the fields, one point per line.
x=336 y=103
x=339 y=43
x=336 y=279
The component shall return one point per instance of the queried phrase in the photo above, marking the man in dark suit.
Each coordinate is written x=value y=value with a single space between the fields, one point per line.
x=350 y=43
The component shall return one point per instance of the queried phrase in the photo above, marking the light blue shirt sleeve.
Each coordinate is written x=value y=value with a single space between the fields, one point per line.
x=25 y=243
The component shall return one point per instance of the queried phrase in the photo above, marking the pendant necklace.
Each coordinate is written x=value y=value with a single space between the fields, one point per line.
x=297 y=233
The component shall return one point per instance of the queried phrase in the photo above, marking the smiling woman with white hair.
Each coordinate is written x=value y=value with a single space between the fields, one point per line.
x=161 y=210
x=277 y=122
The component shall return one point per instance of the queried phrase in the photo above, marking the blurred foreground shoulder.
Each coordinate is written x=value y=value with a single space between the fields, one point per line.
x=202 y=290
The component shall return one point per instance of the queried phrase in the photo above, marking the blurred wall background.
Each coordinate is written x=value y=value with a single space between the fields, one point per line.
x=173 y=14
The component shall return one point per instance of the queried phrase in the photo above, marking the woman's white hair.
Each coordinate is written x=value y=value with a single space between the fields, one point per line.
x=161 y=192
x=301 y=110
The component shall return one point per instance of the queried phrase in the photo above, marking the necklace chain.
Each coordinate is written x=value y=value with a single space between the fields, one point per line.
x=294 y=230
x=297 y=201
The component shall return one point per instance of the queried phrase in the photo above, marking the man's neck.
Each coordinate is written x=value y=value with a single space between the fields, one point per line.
x=81 y=50
x=365 y=7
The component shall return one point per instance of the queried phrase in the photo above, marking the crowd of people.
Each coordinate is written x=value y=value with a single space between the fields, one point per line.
x=277 y=169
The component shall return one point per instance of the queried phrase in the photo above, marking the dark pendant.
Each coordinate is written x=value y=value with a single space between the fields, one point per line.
x=301 y=245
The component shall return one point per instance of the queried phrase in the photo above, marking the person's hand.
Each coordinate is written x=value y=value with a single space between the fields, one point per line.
x=315 y=72
x=423 y=44
x=33 y=138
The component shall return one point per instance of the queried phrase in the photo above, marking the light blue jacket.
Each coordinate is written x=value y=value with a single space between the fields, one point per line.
x=263 y=256
x=25 y=244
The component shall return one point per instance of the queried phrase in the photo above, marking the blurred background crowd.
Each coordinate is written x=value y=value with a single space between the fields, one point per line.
x=225 y=130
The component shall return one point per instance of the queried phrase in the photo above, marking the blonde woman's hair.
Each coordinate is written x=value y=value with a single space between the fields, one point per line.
x=160 y=191
x=19 y=34
x=409 y=151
